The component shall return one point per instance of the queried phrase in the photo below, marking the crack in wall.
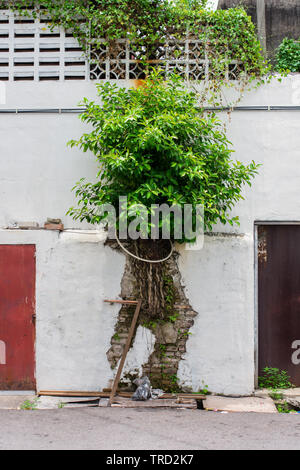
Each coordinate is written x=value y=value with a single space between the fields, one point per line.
x=171 y=327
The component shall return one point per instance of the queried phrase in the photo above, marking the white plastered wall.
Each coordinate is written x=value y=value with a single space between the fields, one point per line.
x=76 y=272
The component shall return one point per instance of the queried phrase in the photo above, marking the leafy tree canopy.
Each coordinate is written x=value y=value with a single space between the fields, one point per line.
x=154 y=145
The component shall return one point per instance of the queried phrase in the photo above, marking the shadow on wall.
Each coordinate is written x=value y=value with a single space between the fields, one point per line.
x=282 y=19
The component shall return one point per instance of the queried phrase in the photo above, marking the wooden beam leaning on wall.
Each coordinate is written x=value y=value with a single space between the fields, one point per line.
x=138 y=304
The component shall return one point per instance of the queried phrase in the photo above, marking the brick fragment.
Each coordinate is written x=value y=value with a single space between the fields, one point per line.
x=48 y=226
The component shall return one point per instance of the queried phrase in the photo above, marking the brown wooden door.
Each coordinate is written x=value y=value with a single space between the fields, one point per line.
x=279 y=298
x=17 y=317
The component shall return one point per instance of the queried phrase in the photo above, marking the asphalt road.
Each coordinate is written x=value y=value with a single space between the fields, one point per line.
x=128 y=429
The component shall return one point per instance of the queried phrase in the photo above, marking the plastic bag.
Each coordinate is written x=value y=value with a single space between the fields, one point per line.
x=143 y=391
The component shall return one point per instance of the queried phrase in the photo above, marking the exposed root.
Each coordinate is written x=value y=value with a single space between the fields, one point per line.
x=165 y=311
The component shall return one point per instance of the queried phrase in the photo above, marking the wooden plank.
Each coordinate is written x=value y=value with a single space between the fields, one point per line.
x=194 y=396
x=67 y=393
x=126 y=349
x=64 y=393
x=167 y=403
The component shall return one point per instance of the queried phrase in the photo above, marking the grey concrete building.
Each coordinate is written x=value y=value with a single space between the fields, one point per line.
x=282 y=18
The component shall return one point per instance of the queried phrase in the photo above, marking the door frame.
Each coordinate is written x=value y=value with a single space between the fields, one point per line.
x=29 y=392
x=258 y=223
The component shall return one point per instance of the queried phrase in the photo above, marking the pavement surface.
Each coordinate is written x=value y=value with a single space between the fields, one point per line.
x=244 y=404
x=155 y=429
x=14 y=402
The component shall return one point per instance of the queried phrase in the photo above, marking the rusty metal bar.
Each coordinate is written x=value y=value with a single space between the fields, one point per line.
x=138 y=304
x=129 y=302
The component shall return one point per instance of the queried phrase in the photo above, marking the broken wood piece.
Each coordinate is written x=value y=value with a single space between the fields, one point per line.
x=186 y=401
x=107 y=393
x=138 y=304
x=61 y=393
x=129 y=302
x=194 y=396
x=166 y=403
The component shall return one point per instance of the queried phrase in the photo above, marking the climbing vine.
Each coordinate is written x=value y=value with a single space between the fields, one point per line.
x=225 y=36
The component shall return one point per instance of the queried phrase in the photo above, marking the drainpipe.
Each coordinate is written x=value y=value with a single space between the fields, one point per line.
x=261 y=24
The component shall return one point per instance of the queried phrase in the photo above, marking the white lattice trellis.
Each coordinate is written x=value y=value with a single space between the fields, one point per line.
x=29 y=50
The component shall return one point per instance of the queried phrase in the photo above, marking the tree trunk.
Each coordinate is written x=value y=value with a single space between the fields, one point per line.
x=165 y=311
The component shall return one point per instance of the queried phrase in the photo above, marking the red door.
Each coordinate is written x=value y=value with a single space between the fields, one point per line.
x=17 y=317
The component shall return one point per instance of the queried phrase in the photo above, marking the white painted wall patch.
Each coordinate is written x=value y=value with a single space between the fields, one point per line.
x=2 y=93
x=2 y=353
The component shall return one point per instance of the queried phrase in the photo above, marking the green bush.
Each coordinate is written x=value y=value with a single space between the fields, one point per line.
x=288 y=56
x=274 y=378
